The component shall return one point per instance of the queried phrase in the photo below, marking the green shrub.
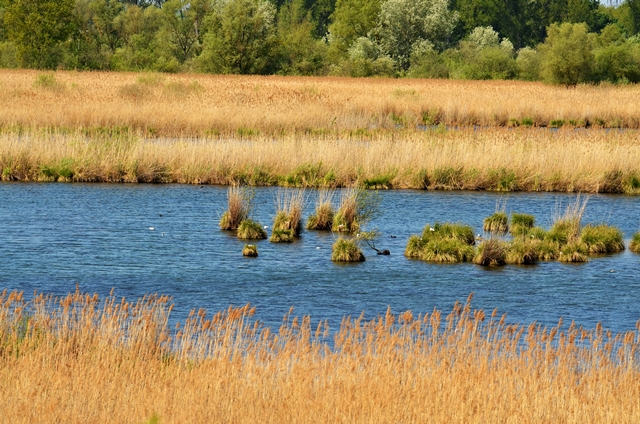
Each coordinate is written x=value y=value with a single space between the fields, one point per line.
x=567 y=56
x=634 y=246
x=547 y=250
x=460 y=232
x=281 y=236
x=496 y=223
x=602 y=239
x=344 y=250
x=250 y=230
x=492 y=252
x=414 y=248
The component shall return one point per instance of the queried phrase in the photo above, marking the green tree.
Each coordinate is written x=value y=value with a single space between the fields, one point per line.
x=183 y=24
x=407 y=27
x=37 y=28
x=98 y=35
x=567 y=56
x=352 y=19
x=241 y=38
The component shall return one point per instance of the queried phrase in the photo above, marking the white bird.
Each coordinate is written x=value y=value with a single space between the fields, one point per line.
x=318 y=247
x=151 y=228
x=431 y=229
x=266 y=226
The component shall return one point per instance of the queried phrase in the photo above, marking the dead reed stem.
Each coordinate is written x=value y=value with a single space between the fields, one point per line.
x=80 y=358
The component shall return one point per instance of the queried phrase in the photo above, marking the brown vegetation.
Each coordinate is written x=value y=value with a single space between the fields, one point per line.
x=82 y=359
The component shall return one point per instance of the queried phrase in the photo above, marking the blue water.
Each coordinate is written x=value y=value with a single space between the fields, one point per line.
x=54 y=236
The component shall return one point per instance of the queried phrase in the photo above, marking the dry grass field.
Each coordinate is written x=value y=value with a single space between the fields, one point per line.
x=83 y=359
x=376 y=133
x=201 y=105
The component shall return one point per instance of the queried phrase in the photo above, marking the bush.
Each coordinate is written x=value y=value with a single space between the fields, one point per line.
x=250 y=230
x=528 y=64
x=460 y=232
x=567 y=56
x=522 y=252
x=492 y=252
x=602 y=239
x=496 y=223
x=548 y=250
x=344 y=250
x=521 y=224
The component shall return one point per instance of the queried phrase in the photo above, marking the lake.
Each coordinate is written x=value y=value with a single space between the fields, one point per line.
x=55 y=235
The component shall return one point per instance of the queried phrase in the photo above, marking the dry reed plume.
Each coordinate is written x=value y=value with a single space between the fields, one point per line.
x=200 y=105
x=498 y=159
x=82 y=359
x=288 y=221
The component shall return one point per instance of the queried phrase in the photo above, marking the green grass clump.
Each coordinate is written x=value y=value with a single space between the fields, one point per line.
x=492 y=252
x=344 y=250
x=522 y=252
x=573 y=252
x=415 y=247
x=537 y=233
x=564 y=231
x=448 y=250
x=461 y=232
x=357 y=207
x=239 y=201
x=251 y=230
x=289 y=214
x=282 y=236
x=548 y=250
x=602 y=239
x=496 y=223
x=322 y=219
x=250 y=250
x=634 y=246
x=521 y=223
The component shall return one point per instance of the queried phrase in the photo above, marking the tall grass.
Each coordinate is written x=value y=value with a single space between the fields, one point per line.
x=240 y=203
x=82 y=358
x=197 y=105
x=288 y=221
x=566 y=161
x=322 y=218
x=634 y=246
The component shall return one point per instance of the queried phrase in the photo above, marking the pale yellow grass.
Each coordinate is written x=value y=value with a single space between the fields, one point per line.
x=496 y=159
x=197 y=105
x=81 y=359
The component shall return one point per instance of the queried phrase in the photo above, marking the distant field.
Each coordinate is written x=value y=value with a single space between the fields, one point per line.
x=80 y=358
x=314 y=132
x=197 y=105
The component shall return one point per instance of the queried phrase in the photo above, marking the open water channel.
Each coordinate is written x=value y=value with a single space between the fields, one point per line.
x=53 y=236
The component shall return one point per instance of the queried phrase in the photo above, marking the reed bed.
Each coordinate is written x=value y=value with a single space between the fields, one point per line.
x=81 y=358
x=198 y=105
x=497 y=159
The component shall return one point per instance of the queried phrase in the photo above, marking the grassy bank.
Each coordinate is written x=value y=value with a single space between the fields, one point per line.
x=494 y=159
x=204 y=105
x=80 y=358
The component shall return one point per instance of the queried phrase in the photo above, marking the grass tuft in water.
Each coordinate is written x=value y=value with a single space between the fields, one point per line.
x=492 y=252
x=496 y=223
x=634 y=246
x=250 y=250
x=251 y=230
x=573 y=252
x=521 y=223
x=602 y=239
x=282 y=236
x=344 y=250
x=240 y=202
x=289 y=215
x=322 y=218
x=447 y=250
x=522 y=252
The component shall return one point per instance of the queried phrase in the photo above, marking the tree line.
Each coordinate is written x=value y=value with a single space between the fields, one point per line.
x=558 y=41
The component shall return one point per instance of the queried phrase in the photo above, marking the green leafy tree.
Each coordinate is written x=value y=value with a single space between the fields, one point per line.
x=38 y=28
x=352 y=19
x=407 y=27
x=299 y=52
x=183 y=25
x=97 y=36
x=241 y=38
x=567 y=56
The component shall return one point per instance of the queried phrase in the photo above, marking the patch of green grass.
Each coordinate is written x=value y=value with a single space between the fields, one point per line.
x=421 y=179
x=251 y=230
x=448 y=178
x=344 y=250
x=414 y=248
x=527 y=122
x=536 y=233
x=547 y=250
x=563 y=231
x=63 y=169
x=521 y=224
x=460 y=232
x=305 y=175
x=322 y=219
x=492 y=252
x=496 y=223
x=556 y=123
x=383 y=182
x=602 y=239
x=281 y=236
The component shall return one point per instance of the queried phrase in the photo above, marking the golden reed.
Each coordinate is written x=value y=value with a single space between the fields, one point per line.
x=317 y=132
x=80 y=358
